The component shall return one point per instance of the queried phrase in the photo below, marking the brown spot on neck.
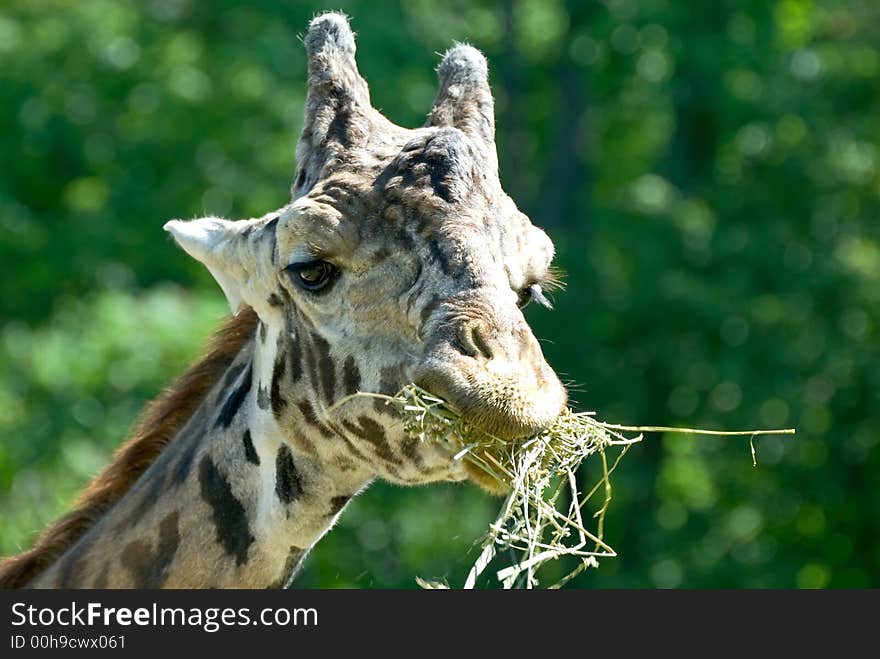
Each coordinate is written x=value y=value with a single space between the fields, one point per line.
x=149 y=569
x=278 y=401
x=337 y=503
x=295 y=557
x=288 y=482
x=351 y=376
x=369 y=430
x=309 y=416
x=230 y=518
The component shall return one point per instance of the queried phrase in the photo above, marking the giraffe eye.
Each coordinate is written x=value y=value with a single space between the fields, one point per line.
x=313 y=276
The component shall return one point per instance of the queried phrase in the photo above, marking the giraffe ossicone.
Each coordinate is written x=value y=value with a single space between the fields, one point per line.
x=399 y=259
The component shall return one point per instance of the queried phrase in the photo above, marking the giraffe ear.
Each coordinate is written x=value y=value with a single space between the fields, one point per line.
x=229 y=249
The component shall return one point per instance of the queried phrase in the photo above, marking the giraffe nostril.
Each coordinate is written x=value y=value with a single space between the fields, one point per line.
x=470 y=341
x=480 y=342
x=463 y=342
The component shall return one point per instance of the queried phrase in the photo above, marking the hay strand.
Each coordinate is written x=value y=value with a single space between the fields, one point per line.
x=542 y=518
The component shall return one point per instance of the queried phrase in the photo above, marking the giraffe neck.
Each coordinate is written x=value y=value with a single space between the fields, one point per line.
x=233 y=501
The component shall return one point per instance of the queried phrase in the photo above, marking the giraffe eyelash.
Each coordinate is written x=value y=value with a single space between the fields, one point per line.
x=551 y=281
x=533 y=292
x=554 y=280
x=536 y=293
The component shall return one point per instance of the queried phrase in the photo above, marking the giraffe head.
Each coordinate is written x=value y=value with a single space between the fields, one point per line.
x=400 y=259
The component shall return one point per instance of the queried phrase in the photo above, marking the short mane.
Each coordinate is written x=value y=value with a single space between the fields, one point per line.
x=158 y=424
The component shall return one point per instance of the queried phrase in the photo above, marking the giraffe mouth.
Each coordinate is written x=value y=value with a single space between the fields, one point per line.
x=511 y=409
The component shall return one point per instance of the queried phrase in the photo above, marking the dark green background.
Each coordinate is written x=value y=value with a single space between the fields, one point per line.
x=708 y=171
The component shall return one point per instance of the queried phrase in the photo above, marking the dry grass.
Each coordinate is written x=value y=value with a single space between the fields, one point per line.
x=546 y=516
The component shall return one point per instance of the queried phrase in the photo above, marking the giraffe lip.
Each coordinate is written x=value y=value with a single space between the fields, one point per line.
x=497 y=417
x=509 y=432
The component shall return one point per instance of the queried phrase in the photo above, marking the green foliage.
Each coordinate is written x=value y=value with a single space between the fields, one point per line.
x=709 y=172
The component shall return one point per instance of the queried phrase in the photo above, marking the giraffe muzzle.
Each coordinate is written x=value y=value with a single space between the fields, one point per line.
x=498 y=380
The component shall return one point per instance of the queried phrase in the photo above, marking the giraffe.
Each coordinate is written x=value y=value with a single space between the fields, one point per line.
x=399 y=259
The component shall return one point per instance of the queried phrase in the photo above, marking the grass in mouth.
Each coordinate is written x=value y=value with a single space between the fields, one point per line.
x=546 y=514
